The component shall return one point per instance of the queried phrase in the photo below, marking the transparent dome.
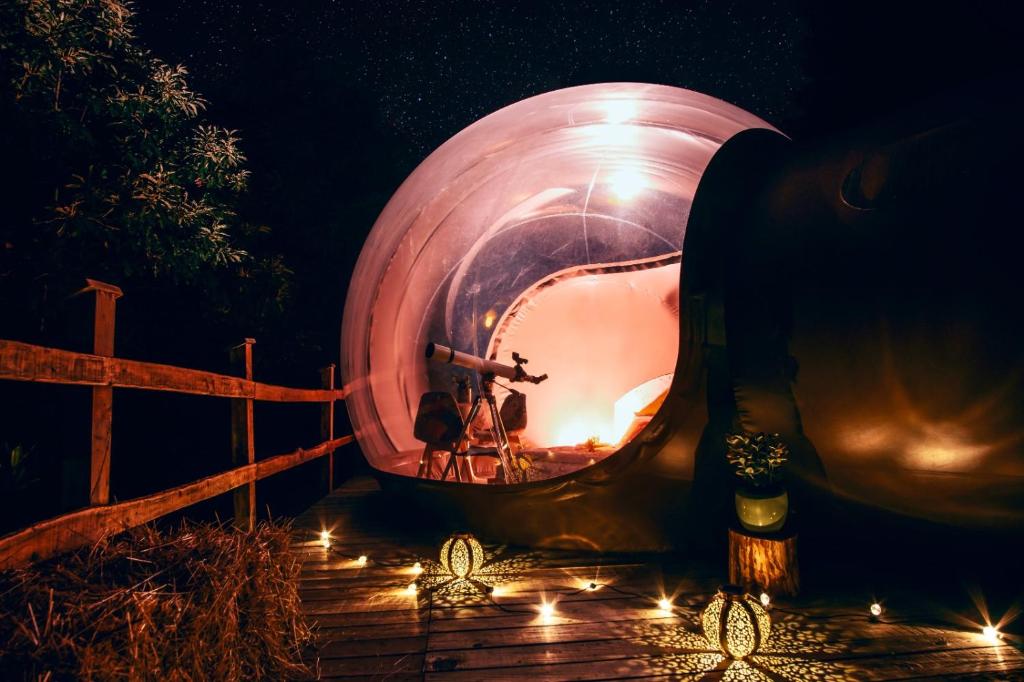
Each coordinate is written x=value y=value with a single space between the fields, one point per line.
x=552 y=228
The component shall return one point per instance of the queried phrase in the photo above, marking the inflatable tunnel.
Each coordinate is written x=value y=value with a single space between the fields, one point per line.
x=669 y=262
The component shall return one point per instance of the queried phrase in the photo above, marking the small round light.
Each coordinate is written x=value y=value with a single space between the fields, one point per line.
x=362 y=560
x=411 y=588
x=765 y=599
x=496 y=591
x=990 y=633
x=462 y=555
x=325 y=538
x=664 y=604
x=547 y=609
x=876 y=609
x=417 y=568
x=735 y=622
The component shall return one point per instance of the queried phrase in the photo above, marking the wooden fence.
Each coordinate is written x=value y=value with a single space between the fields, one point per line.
x=104 y=372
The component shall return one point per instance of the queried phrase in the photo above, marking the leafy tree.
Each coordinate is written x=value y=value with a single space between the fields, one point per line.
x=120 y=176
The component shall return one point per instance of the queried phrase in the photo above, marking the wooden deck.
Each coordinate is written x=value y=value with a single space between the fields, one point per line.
x=370 y=627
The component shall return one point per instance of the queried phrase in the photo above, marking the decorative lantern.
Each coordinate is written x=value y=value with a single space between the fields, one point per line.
x=735 y=622
x=462 y=555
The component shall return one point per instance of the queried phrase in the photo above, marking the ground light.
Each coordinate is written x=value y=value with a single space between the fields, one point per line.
x=735 y=622
x=462 y=555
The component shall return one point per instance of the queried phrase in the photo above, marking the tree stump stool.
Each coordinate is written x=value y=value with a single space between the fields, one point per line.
x=764 y=562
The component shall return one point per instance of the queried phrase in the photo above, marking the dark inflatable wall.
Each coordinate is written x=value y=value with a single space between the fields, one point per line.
x=881 y=272
x=859 y=295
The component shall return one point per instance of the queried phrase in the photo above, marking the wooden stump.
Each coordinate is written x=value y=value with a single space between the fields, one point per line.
x=764 y=562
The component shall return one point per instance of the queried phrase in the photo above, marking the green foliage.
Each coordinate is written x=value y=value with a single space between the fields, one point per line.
x=756 y=458
x=17 y=470
x=145 y=181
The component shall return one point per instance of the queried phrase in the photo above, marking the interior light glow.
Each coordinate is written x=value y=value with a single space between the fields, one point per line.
x=619 y=110
x=765 y=599
x=664 y=604
x=417 y=568
x=615 y=135
x=876 y=609
x=325 y=538
x=411 y=588
x=362 y=560
x=547 y=610
x=577 y=429
x=991 y=633
x=627 y=183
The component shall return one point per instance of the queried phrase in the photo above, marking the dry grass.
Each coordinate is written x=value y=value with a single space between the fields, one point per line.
x=203 y=602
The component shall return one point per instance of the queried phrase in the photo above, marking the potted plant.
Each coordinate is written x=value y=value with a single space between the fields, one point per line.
x=761 y=502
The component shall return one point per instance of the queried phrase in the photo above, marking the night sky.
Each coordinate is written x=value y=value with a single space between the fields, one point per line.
x=337 y=102
x=431 y=68
x=428 y=69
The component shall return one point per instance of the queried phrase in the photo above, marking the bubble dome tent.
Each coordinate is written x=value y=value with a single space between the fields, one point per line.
x=627 y=238
x=552 y=228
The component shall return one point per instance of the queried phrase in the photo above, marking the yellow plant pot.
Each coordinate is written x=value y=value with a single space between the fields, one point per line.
x=762 y=512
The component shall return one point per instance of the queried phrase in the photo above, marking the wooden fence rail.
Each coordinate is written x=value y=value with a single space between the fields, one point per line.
x=39 y=364
x=103 y=372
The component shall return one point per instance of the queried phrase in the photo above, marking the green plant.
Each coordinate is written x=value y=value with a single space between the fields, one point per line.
x=119 y=175
x=140 y=177
x=756 y=457
x=17 y=470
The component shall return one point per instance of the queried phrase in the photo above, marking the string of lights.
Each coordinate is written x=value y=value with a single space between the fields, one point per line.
x=462 y=557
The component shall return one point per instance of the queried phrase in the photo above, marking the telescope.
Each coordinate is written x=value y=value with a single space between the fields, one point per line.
x=439 y=353
x=488 y=370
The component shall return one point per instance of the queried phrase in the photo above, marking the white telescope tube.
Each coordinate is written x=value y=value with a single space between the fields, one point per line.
x=439 y=353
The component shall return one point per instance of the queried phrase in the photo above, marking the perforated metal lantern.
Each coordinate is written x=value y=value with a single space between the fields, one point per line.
x=735 y=622
x=462 y=555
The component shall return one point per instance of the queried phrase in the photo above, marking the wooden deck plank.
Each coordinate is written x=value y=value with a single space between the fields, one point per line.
x=987 y=663
x=369 y=628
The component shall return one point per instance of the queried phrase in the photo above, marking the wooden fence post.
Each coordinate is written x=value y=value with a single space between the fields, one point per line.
x=243 y=449
x=327 y=426
x=102 y=396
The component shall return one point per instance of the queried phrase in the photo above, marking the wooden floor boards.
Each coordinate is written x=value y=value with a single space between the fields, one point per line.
x=369 y=627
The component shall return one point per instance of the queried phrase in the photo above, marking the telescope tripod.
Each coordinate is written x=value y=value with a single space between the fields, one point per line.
x=505 y=453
